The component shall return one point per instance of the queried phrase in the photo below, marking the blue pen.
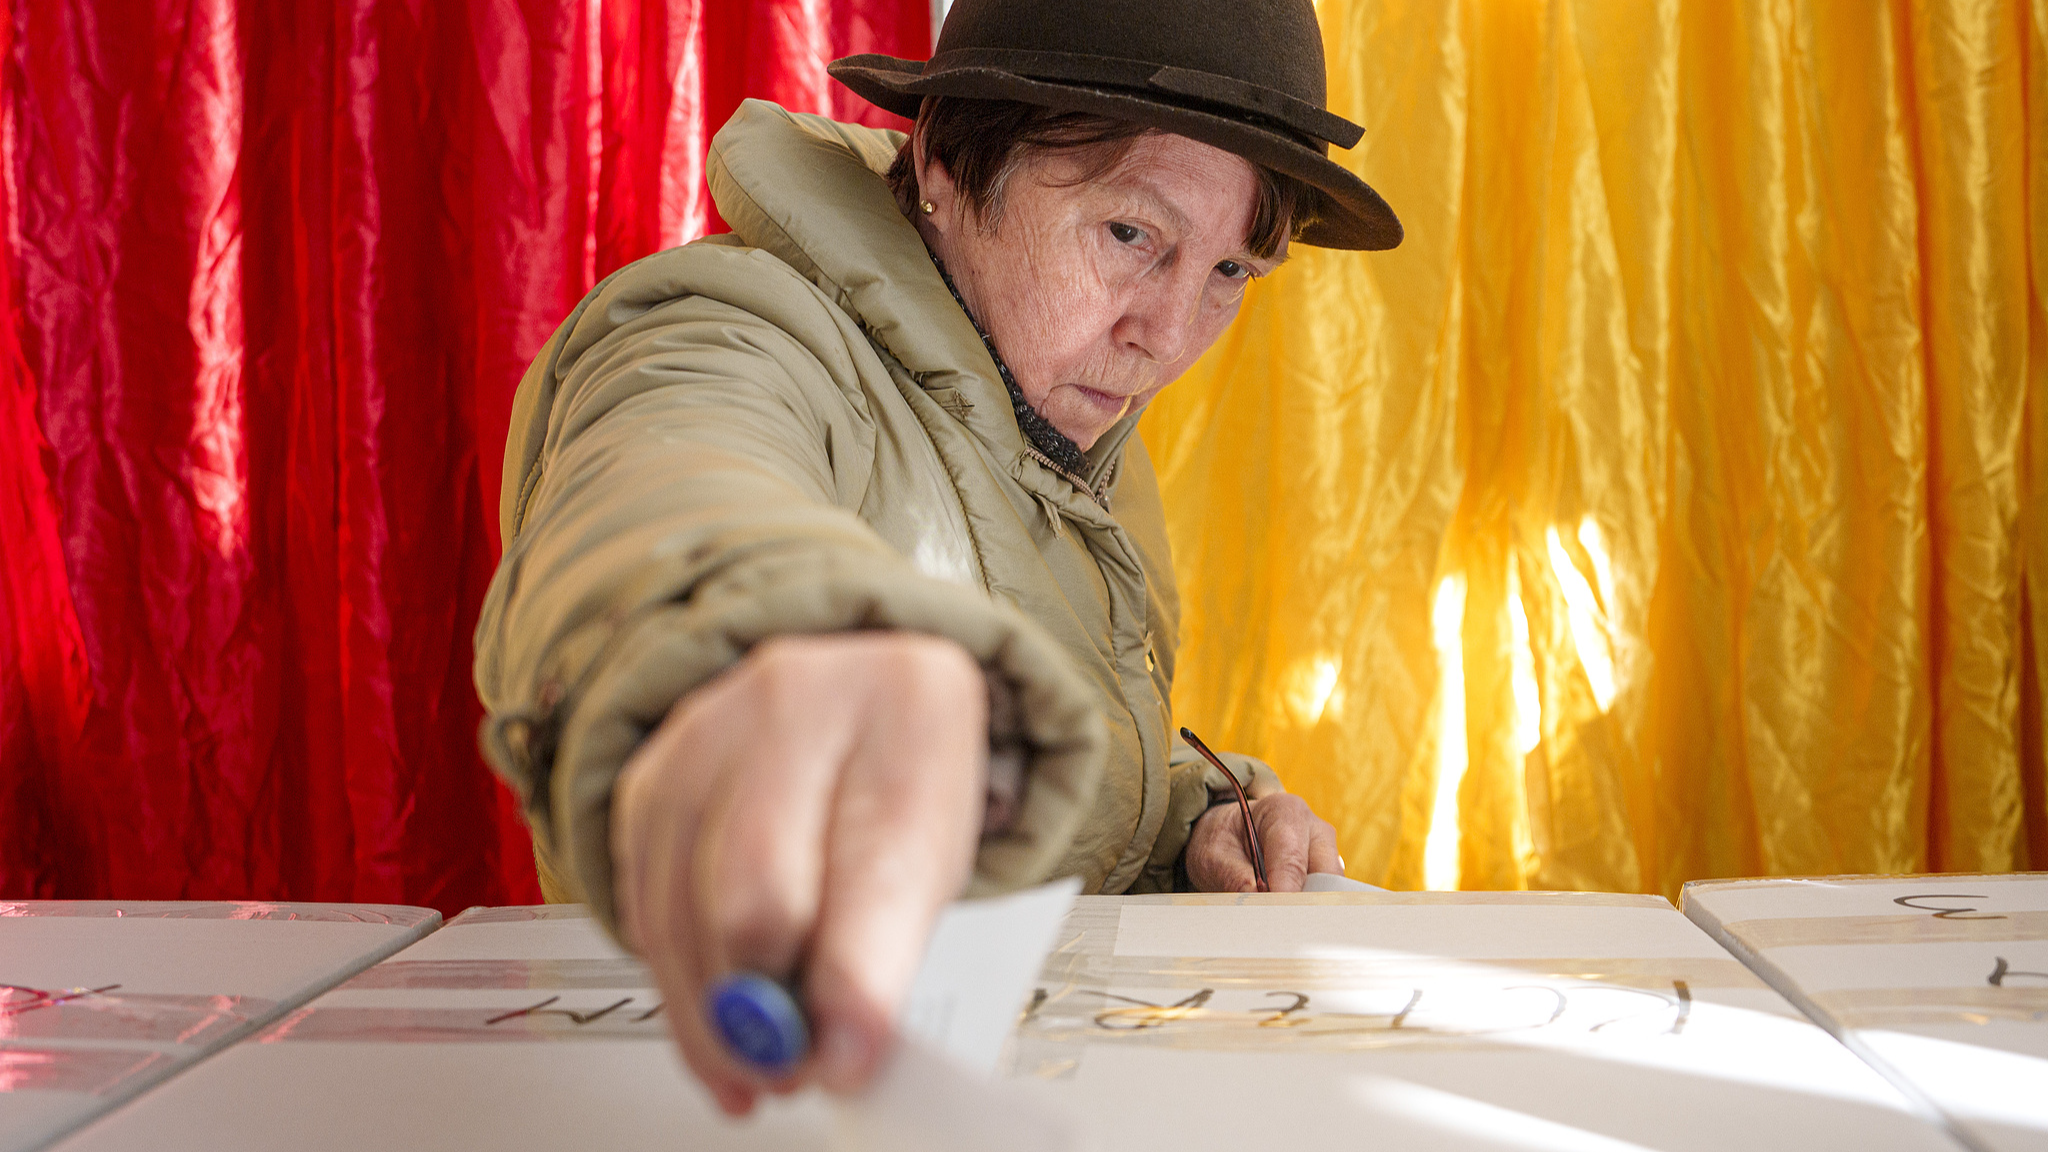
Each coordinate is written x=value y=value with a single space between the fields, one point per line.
x=759 y=1021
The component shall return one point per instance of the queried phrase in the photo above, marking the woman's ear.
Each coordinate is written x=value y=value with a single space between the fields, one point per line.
x=938 y=197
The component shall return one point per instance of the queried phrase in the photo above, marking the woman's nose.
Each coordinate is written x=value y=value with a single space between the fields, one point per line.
x=1159 y=319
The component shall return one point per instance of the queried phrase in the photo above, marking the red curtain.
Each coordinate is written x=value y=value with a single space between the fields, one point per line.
x=271 y=274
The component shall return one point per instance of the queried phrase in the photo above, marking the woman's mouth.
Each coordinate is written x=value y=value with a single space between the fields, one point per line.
x=1109 y=406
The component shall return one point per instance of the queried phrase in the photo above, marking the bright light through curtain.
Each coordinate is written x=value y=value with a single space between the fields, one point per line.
x=1674 y=502
x=271 y=272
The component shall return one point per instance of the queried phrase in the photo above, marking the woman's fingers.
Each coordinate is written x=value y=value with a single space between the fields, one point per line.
x=1217 y=857
x=1322 y=848
x=1283 y=821
x=903 y=832
x=1292 y=838
x=759 y=864
x=810 y=810
x=1296 y=841
x=657 y=809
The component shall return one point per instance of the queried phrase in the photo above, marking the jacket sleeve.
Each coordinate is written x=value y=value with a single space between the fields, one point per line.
x=679 y=474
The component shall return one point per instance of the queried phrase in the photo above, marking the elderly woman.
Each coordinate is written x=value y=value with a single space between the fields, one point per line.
x=835 y=581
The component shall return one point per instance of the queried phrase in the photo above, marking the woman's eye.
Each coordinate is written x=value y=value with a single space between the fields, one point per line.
x=1232 y=270
x=1125 y=234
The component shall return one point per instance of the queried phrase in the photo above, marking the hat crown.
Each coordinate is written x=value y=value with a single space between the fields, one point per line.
x=1245 y=76
x=1274 y=44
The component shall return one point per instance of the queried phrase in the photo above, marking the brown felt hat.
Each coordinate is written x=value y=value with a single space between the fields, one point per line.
x=1243 y=75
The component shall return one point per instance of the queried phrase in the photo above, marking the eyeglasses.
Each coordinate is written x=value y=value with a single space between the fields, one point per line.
x=1244 y=805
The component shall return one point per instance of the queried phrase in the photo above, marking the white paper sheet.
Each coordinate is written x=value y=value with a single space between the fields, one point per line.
x=1940 y=981
x=103 y=999
x=978 y=970
x=1332 y=882
x=939 y=1091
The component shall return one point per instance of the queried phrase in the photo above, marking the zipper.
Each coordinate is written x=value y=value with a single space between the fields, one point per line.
x=1099 y=493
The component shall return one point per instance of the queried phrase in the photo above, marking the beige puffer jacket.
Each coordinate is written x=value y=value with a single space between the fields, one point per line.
x=795 y=429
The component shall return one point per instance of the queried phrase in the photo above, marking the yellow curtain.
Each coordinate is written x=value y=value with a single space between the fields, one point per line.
x=1674 y=502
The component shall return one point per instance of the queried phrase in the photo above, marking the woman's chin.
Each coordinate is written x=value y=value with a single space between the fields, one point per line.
x=1084 y=433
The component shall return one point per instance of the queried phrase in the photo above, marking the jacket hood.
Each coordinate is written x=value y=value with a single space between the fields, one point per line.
x=810 y=192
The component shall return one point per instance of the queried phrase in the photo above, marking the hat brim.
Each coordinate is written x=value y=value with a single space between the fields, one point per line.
x=1348 y=215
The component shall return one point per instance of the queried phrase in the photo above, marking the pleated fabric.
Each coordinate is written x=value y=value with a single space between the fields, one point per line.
x=1674 y=502
x=271 y=273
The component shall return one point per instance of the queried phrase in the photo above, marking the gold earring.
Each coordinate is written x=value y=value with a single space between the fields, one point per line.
x=927 y=207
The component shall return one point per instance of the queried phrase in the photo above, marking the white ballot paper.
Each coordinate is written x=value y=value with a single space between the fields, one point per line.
x=528 y=1028
x=936 y=1094
x=1336 y=882
x=1941 y=982
x=99 y=1000
x=1435 y=1021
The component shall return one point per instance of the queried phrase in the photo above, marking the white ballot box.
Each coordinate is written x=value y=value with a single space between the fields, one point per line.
x=1436 y=1021
x=528 y=1028
x=1941 y=982
x=508 y=1029
x=99 y=1000
x=1386 y=1020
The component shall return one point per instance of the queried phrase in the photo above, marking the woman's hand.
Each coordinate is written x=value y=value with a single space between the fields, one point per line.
x=1295 y=840
x=806 y=814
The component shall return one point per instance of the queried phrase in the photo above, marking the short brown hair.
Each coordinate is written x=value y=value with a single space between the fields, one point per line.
x=979 y=143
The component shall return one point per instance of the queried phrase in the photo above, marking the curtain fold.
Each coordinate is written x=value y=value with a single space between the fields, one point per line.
x=272 y=273
x=1670 y=504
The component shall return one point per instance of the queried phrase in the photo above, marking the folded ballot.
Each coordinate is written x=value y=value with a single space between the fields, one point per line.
x=99 y=1000
x=1940 y=982
x=528 y=1028
x=1436 y=1020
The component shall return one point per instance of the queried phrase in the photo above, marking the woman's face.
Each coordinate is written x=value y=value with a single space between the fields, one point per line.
x=1099 y=294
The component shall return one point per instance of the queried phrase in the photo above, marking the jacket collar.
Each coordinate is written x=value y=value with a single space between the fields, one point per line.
x=809 y=191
